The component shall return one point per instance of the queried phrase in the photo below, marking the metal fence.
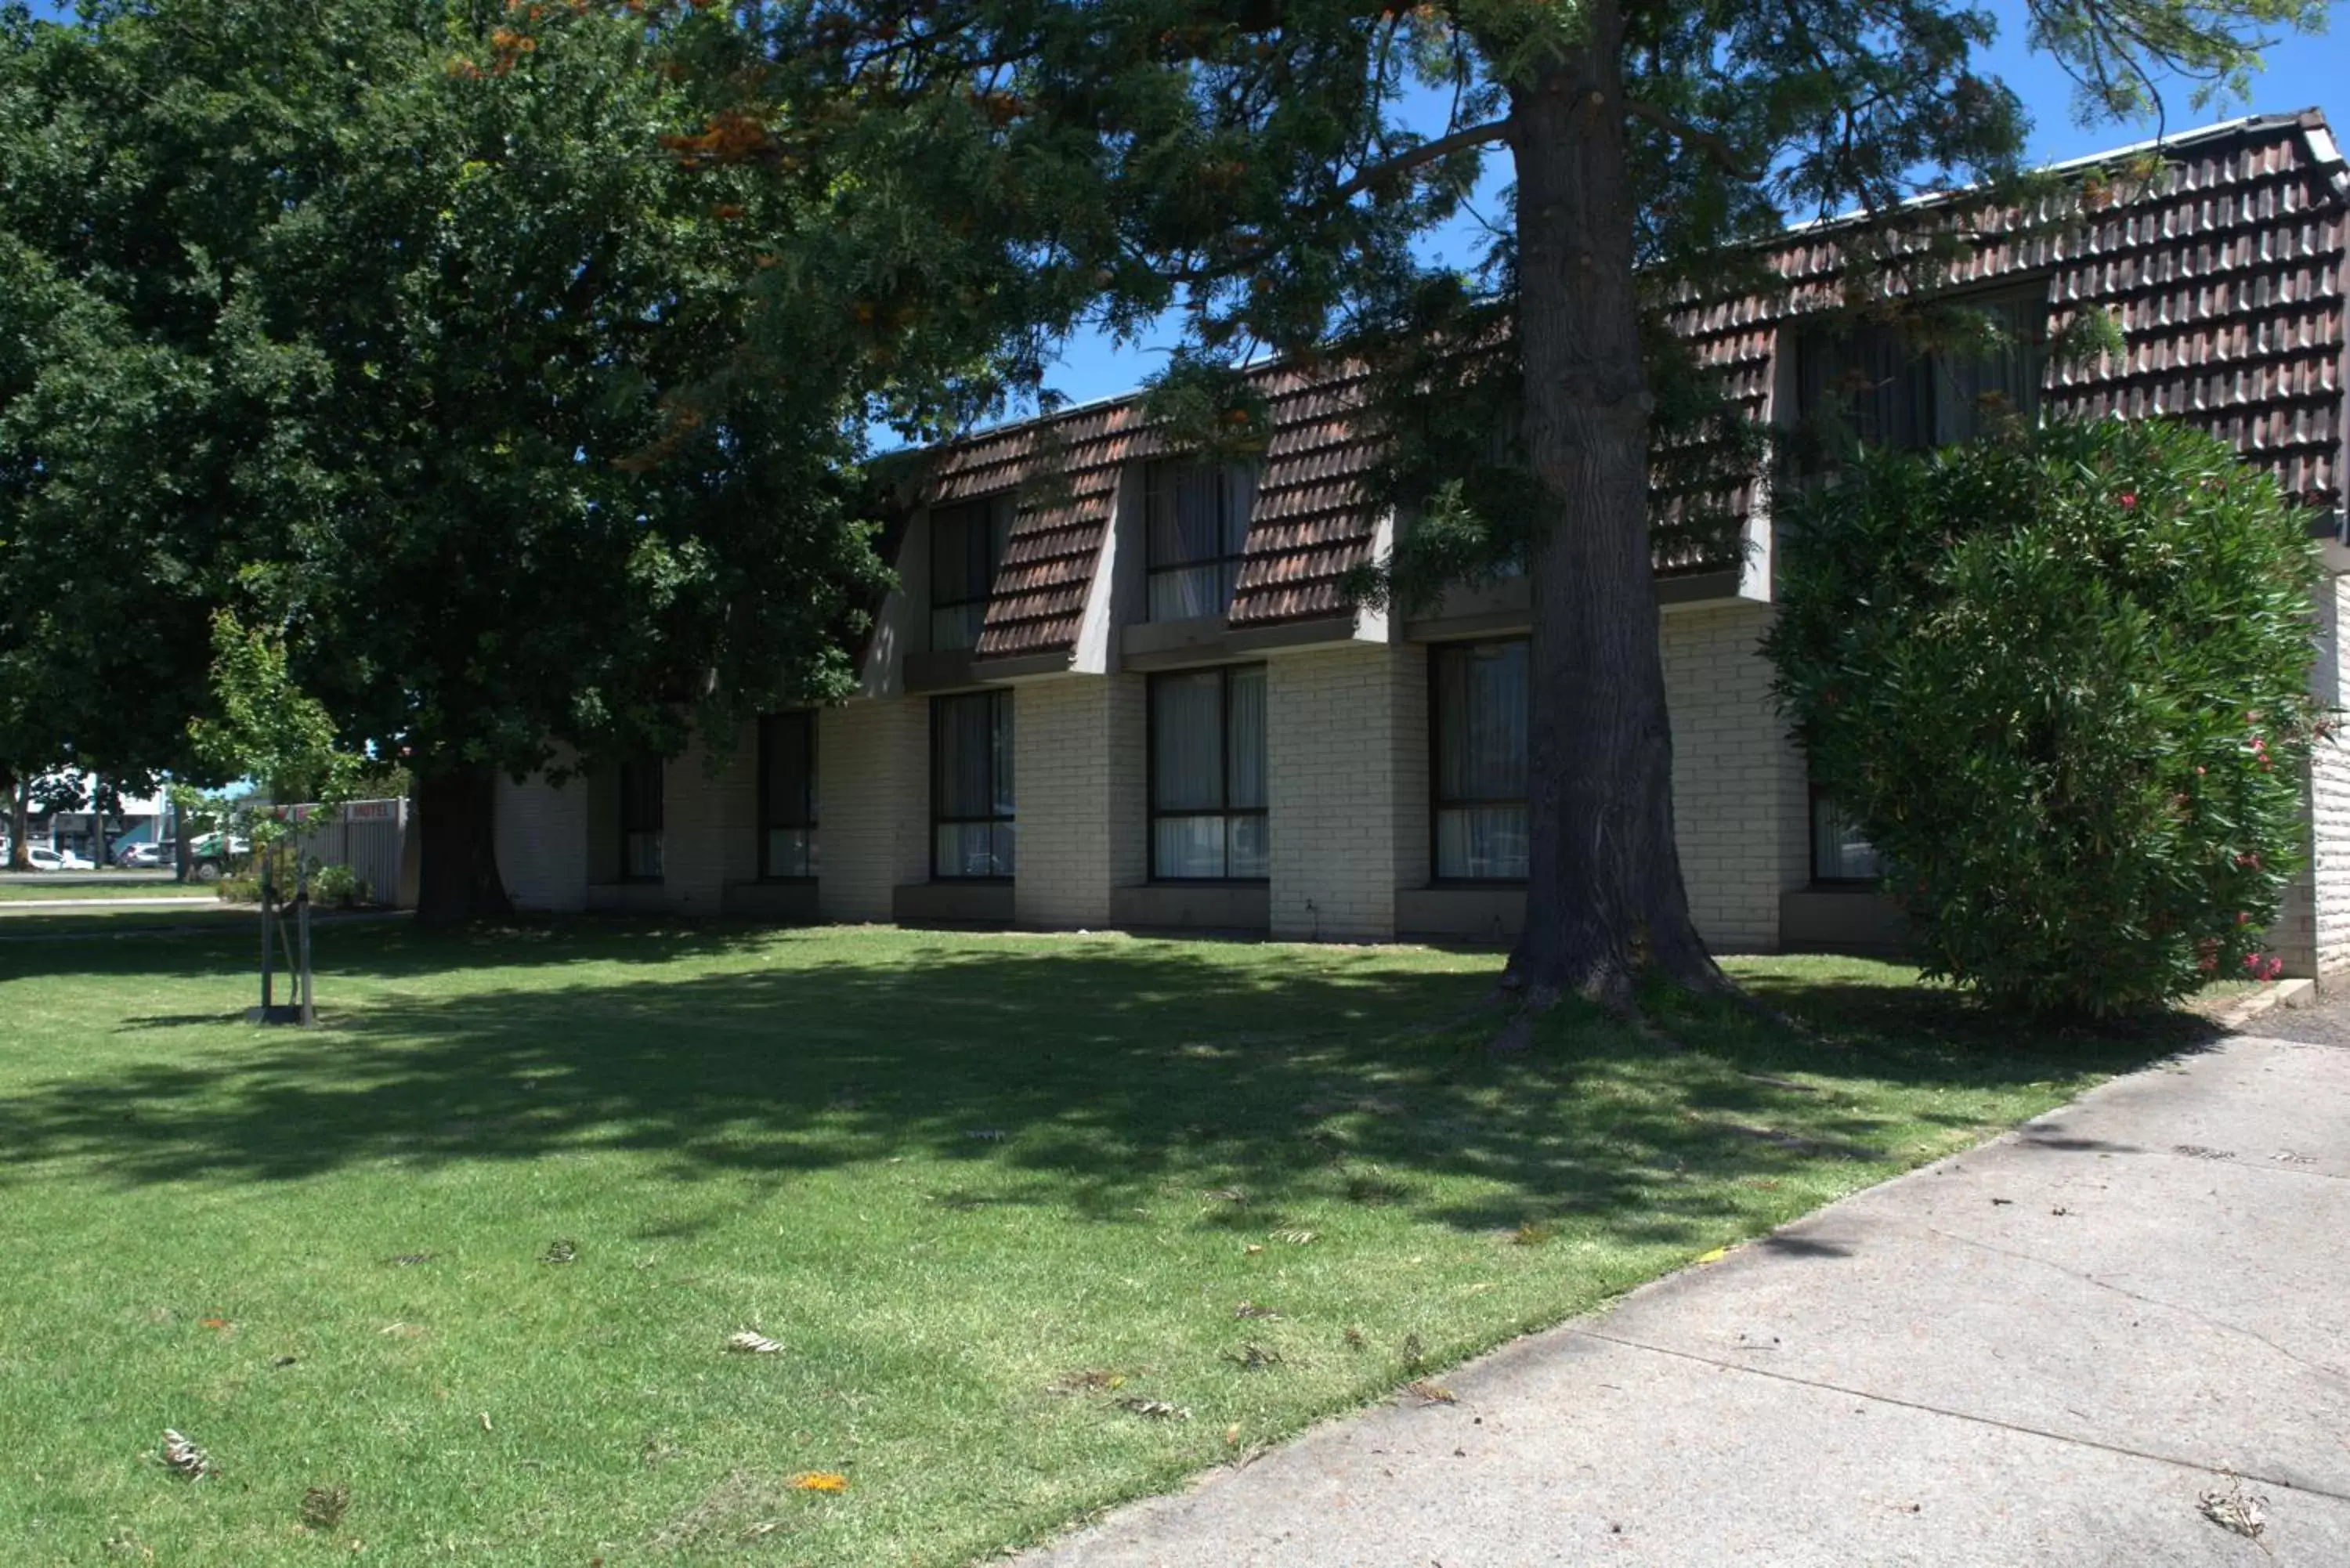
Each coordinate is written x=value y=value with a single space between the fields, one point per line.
x=365 y=835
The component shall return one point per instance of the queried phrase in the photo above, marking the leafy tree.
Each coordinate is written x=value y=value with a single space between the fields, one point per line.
x=101 y=604
x=1268 y=166
x=471 y=311
x=2062 y=683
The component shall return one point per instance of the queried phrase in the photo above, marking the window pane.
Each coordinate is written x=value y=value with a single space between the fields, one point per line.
x=641 y=796
x=1244 y=731
x=787 y=769
x=1481 y=737
x=1187 y=720
x=1483 y=842
x=999 y=721
x=1189 y=592
x=1240 y=502
x=641 y=856
x=791 y=852
x=1250 y=853
x=956 y=629
x=1183 y=513
x=974 y=849
x=1187 y=846
x=964 y=736
x=1839 y=853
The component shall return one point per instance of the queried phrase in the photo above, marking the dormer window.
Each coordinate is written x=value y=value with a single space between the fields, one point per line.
x=1196 y=519
x=1893 y=391
x=967 y=544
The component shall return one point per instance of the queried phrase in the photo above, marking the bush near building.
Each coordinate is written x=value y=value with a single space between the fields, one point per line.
x=2061 y=682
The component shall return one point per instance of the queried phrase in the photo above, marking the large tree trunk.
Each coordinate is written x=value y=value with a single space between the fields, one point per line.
x=20 y=823
x=1603 y=897
x=457 y=862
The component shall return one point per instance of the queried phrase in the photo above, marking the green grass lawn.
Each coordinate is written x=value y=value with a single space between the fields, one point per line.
x=472 y=1250
x=55 y=885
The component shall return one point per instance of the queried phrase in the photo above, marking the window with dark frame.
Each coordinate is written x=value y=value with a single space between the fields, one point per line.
x=1208 y=817
x=973 y=832
x=1875 y=379
x=1477 y=709
x=787 y=797
x=967 y=545
x=1195 y=531
x=1841 y=854
x=640 y=821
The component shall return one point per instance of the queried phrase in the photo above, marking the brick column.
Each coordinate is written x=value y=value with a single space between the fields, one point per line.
x=1345 y=733
x=873 y=794
x=1078 y=786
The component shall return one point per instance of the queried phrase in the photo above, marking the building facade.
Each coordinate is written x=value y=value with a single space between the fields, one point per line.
x=1121 y=685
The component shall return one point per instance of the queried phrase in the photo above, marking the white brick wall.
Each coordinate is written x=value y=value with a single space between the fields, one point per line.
x=1078 y=790
x=542 y=842
x=873 y=796
x=706 y=824
x=2323 y=892
x=1740 y=799
x=1345 y=736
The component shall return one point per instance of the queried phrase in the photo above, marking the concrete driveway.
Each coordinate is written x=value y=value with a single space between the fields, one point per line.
x=2051 y=1350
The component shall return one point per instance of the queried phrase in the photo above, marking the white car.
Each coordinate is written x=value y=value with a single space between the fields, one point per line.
x=45 y=858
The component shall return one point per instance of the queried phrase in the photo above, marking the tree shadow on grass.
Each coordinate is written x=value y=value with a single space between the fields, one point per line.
x=1081 y=1076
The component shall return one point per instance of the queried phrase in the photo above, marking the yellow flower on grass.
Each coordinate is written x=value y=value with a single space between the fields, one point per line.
x=820 y=1480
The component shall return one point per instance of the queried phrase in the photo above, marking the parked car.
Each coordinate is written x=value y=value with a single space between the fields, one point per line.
x=141 y=857
x=45 y=858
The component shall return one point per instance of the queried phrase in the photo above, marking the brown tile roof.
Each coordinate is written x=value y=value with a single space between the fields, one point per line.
x=2226 y=273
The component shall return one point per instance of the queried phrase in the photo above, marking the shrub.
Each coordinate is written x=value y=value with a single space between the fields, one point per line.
x=2061 y=683
x=238 y=889
x=338 y=887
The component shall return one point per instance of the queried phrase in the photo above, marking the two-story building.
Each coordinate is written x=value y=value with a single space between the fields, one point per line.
x=1121 y=685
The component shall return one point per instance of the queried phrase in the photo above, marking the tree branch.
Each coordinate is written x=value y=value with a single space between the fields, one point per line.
x=1724 y=156
x=1426 y=152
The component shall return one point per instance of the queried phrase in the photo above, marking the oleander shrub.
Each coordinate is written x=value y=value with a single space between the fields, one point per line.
x=2060 y=680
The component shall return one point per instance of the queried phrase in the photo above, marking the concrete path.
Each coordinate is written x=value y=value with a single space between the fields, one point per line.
x=2047 y=1351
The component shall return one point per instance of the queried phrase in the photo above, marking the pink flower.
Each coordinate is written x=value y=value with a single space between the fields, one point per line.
x=2129 y=498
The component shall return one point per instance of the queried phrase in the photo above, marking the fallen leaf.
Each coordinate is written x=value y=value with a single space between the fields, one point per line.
x=1156 y=1409
x=323 y=1507
x=1250 y=1309
x=1298 y=1238
x=183 y=1458
x=1253 y=1357
x=1233 y=1435
x=819 y=1481
x=751 y=1342
x=560 y=1252
x=1714 y=1257
x=1428 y=1393
x=2235 y=1509
x=485 y=1421
x=1534 y=1233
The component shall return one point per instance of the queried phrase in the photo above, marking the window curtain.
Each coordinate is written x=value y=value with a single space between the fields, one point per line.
x=1481 y=762
x=787 y=794
x=1187 y=775
x=1196 y=518
x=972 y=784
x=2006 y=378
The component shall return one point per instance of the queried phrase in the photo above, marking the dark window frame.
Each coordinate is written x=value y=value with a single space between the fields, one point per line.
x=1159 y=478
x=630 y=816
x=1226 y=810
x=1000 y=511
x=998 y=697
x=769 y=824
x=1438 y=804
x=1924 y=369
x=1812 y=855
